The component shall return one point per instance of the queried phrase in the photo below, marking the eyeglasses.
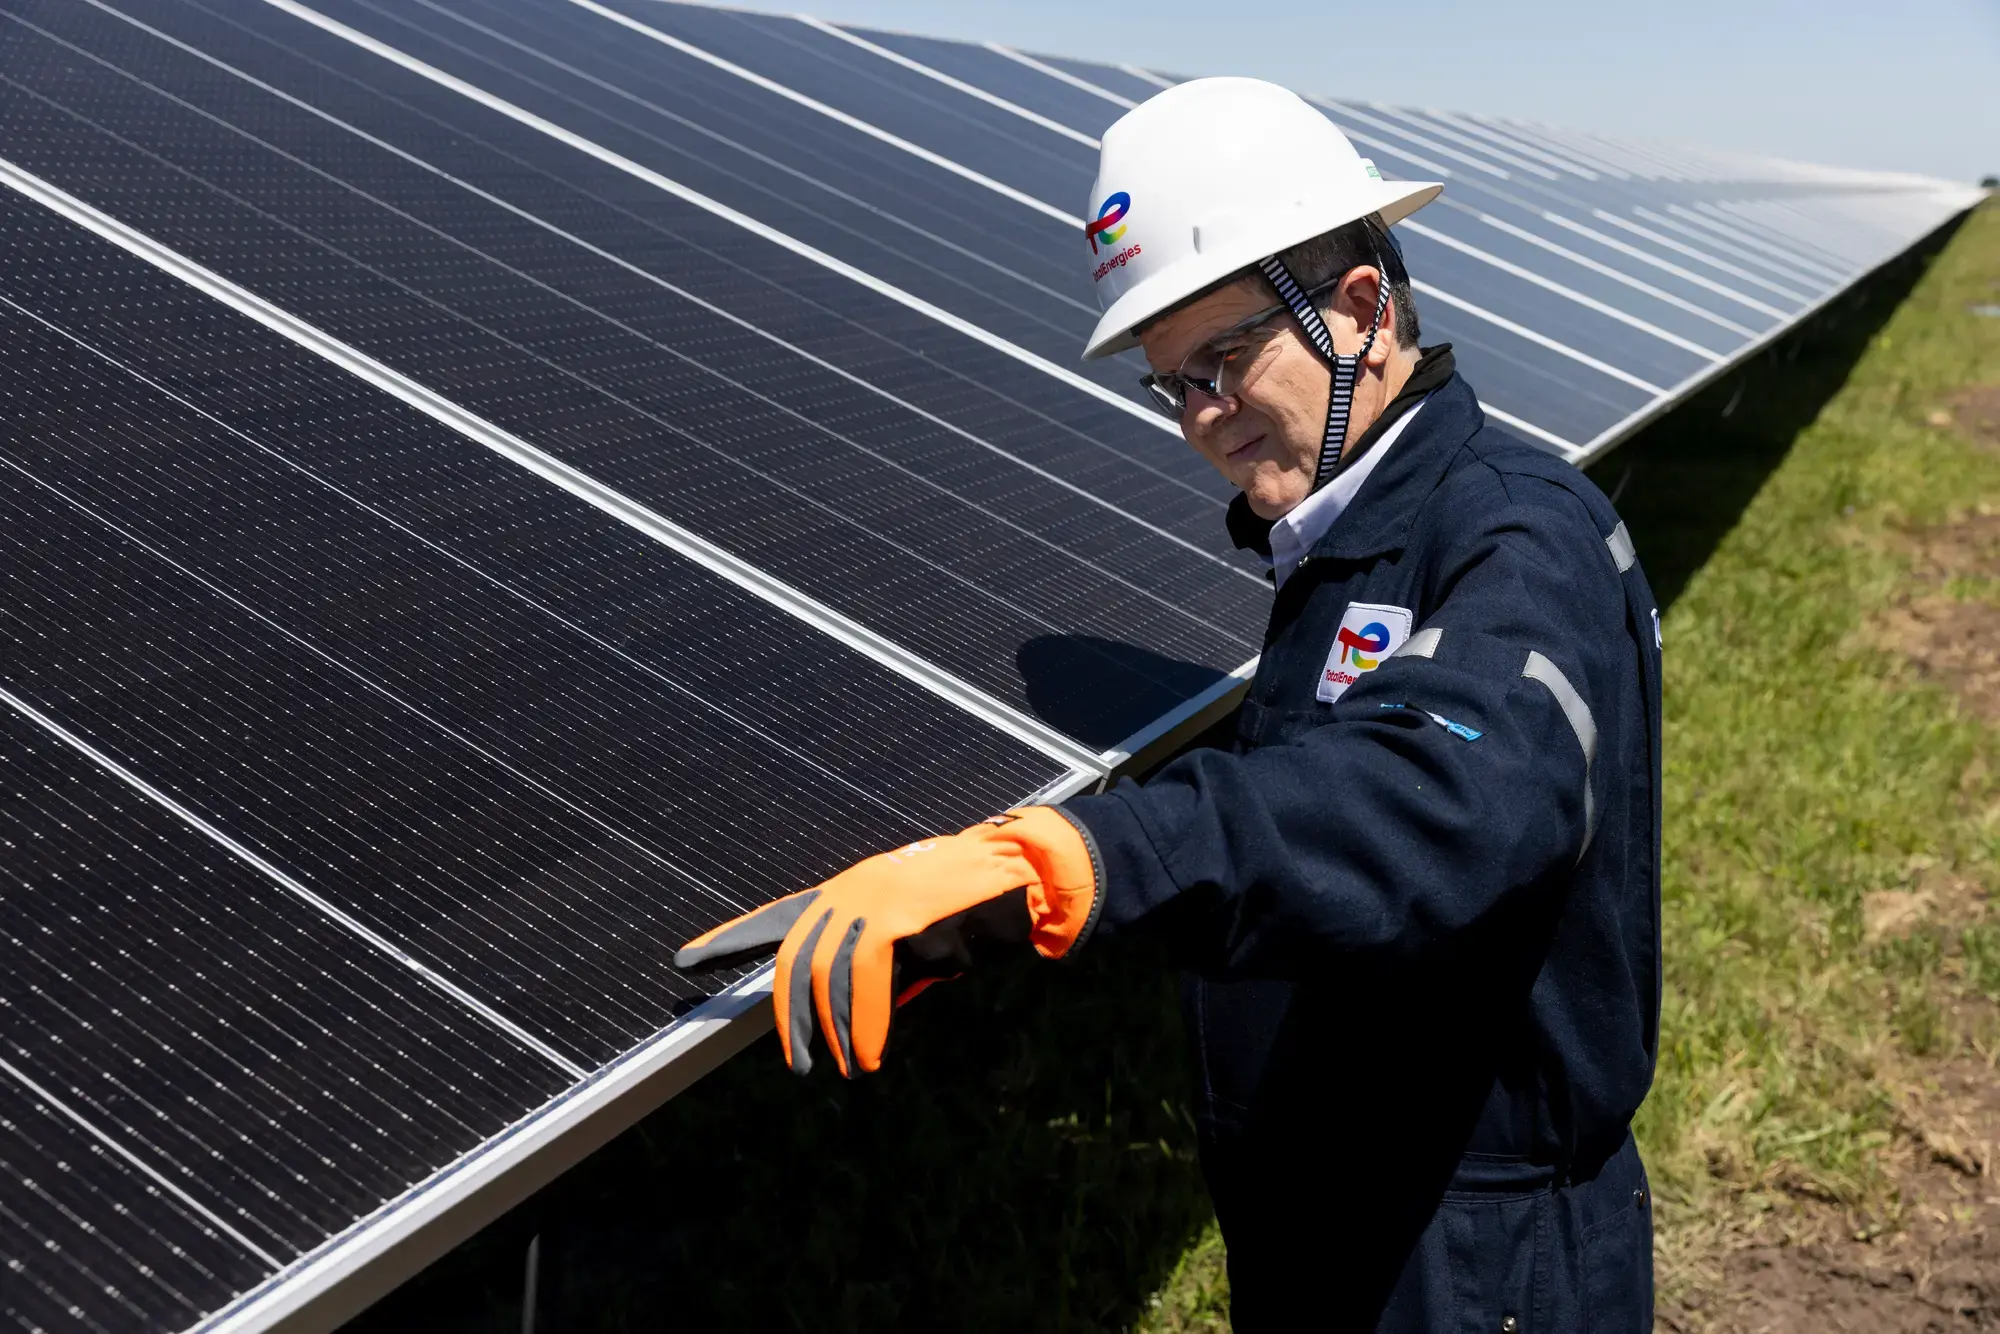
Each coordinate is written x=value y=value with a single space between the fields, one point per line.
x=1226 y=363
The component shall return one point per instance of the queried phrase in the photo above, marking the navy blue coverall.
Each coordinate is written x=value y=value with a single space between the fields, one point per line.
x=1422 y=920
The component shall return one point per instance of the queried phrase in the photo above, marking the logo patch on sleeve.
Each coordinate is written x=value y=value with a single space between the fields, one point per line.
x=1369 y=632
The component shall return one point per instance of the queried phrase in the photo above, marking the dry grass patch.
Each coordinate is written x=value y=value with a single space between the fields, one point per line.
x=1975 y=411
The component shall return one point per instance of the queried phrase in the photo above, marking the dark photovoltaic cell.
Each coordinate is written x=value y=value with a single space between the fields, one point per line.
x=93 y=1242
x=1113 y=80
x=999 y=399
x=1005 y=78
x=1041 y=162
x=904 y=219
x=283 y=1077
x=569 y=832
x=493 y=487
x=361 y=648
x=918 y=525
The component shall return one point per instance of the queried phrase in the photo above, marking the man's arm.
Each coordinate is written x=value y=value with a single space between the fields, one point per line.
x=1391 y=828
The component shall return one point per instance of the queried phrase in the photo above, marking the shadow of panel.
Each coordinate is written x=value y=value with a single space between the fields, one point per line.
x=1025 y=1160
x=1101 y=691
x=1682 y=482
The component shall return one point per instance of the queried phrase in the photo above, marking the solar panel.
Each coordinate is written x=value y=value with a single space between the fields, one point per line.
x=494 y=488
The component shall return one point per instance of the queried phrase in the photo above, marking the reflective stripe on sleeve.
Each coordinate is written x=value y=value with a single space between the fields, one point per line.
x=1623 y=553
x=1541 y=669
x=1422 y=644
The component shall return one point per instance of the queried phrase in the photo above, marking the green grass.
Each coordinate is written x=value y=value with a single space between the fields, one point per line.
x=1026 y=1162
x=1808 y=767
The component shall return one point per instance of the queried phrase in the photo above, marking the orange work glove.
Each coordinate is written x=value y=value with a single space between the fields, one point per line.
x=875 y=935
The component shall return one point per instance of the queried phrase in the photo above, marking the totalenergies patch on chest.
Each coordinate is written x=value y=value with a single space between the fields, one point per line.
x=1369 y=632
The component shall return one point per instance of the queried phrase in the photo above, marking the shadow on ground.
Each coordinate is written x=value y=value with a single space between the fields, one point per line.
x=1025 y=1161
x=1022 y=1162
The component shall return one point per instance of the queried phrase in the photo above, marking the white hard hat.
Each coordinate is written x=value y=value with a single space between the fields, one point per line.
x=1210 y=177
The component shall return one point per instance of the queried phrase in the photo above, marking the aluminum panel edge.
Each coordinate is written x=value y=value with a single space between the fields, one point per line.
x=1596 y=450
x=322 y=1290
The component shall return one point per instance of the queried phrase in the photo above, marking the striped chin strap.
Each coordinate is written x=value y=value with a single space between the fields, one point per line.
x=1346 y=370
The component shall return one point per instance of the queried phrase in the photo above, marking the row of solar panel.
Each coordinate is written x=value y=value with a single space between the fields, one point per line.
x=1583 y=293
x=494 y=489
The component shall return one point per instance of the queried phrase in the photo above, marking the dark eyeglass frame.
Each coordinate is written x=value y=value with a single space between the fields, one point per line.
x=1168 y=393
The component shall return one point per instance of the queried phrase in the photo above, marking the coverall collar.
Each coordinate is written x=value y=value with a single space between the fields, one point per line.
x=1433 y=369
x=1379 y=520
x=1296 y=533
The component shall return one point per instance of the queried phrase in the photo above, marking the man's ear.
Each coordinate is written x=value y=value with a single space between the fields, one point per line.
x=1387 y=338
x=1357 y=295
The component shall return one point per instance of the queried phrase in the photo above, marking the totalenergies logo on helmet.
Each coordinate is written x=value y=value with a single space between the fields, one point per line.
x=1373 y=639
x=1107 y=230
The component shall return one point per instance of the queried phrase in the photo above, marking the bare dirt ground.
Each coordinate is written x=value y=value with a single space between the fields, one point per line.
x=1974 y=411
x=1934 y=1266
x=1950 y=639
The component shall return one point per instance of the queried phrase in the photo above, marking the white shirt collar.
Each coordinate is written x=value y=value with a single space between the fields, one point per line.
x=1296 y=533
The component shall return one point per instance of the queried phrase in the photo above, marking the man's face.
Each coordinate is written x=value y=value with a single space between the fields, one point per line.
x=1266 y=438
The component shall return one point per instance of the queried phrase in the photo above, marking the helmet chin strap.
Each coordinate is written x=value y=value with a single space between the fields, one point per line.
x=1346 y=369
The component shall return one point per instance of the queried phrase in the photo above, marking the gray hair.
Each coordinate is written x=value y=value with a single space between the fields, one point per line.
x=1326 y=256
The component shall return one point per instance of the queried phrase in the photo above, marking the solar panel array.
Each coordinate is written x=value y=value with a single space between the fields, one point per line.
x=493 y=487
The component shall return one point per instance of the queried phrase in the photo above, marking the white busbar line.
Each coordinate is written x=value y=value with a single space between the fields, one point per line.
x=917 y=66
x=1423 y=164
x=836 y=625
x=691 y=298
x=1686 y=388
x=1828 y=234
x=1573 y=166
x=1513 y=130
x=346 y=1271
x=1567 y=293
x=876 y=210
x=1807 y=239
x=813 y=104
x=152 y=1173
x=1568 y=450
x=777 y=743
x=1808 y=269
x=1442 y=150
x=894 y=218
x=688 y=194
x=1432 y=125
x=1541 y=340
x=1061 y=75
x=1147 y=76
x=761 y=229
x=1702 y=256
x=1788 y=273
x=294 y=887
x=1666 y=266
x=323 y=1287
x=1594 y=149
x=1616 y=275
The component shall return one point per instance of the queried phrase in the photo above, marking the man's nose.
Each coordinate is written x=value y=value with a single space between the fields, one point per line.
x=1205 y=412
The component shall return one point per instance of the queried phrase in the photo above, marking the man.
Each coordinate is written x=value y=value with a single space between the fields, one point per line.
x=1419 y=896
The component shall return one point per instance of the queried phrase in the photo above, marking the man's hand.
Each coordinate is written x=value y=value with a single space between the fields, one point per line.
x=858 y=945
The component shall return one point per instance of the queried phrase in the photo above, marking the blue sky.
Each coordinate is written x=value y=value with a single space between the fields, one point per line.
x=1913 y=85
